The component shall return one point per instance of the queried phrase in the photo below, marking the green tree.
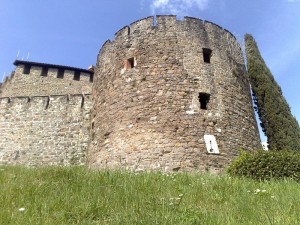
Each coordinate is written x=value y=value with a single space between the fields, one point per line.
x=277 y=121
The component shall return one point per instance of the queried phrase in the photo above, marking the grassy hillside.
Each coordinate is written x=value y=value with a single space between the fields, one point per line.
x=80 y=196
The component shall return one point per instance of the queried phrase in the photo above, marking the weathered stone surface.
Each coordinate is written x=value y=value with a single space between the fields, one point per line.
x=146 y=112
x=47 y=130
x=34 y=84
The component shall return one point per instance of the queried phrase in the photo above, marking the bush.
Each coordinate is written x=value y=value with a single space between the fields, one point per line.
x=266 y=165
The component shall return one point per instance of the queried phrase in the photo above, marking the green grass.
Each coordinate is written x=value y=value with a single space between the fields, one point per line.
x=77 y=195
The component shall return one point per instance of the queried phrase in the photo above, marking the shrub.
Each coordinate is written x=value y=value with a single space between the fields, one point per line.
x=266 y=165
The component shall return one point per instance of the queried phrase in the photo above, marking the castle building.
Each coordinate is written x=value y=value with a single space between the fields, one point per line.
x=166 y=94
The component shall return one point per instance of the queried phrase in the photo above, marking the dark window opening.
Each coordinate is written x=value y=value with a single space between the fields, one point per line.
x=44 y=72
x=77 y=75
x=203 y=99
x=26 y=69
x=206 y=55
x=60 y=73
x=91 y=77
x=130 y=63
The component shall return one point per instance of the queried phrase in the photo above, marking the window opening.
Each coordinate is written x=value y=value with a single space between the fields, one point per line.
x=203 y=100
x=60 y=73
x=26 y=69
x=206 y=55
x=77 y=75
x=130 y=63
x=44 y=71
x=91 y=77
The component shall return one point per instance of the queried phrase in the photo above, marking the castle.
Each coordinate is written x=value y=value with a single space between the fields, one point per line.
x=166 y=94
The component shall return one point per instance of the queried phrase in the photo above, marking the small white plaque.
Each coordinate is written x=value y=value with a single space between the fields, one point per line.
x=265 y=146
x=211 y=144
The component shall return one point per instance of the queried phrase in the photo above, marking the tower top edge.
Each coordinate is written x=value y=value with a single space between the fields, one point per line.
x=160 y=21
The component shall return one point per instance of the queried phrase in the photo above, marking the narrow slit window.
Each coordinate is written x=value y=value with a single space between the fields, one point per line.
x=60 y=73
x=77 y=75
x=26 y=69
x=203 y=100
x=44 y=72
x=91 y=77
x=206 y=55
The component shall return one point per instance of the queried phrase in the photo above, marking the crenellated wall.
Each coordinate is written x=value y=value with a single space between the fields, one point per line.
x=147 y=105
x=35 y=83
x=45 y=130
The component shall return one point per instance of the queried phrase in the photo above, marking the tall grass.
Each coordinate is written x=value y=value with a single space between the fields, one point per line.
x=76 y=195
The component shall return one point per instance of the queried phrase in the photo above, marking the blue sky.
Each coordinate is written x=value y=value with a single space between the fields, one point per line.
x=71 y=32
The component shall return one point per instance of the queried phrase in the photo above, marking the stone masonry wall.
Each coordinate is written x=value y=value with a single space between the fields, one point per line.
x=45 y=130
x=146 y=112
x=33 y=84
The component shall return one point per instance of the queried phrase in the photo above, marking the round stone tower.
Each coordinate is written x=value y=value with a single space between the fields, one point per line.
x=171 y=95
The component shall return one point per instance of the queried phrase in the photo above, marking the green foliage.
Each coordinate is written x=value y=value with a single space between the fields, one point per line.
x=76 y=195
x=266 y=165
x=277 y=121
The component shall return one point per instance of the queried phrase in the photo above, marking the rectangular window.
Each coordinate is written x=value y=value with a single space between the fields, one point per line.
x=60 y=73
x=77 y=75
x=203 y=100
x=26 y=69
x=91 y=77
x=129 y=63
x=206 y=54
x=44 y=72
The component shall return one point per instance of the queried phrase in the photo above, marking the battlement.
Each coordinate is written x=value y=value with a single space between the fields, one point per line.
x=6 y=81
x=33 y=79
x=54 y=71
x=163 y=23
x=47 y=102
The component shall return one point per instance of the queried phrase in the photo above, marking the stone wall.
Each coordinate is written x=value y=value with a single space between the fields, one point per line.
x=34 y=84
x=168 y=95
x=147 y=113
x=45 y=130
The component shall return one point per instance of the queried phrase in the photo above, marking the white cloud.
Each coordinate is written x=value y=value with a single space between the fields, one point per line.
x=178 y=7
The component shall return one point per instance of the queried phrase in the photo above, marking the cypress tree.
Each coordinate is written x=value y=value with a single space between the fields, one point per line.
x=277 y=121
